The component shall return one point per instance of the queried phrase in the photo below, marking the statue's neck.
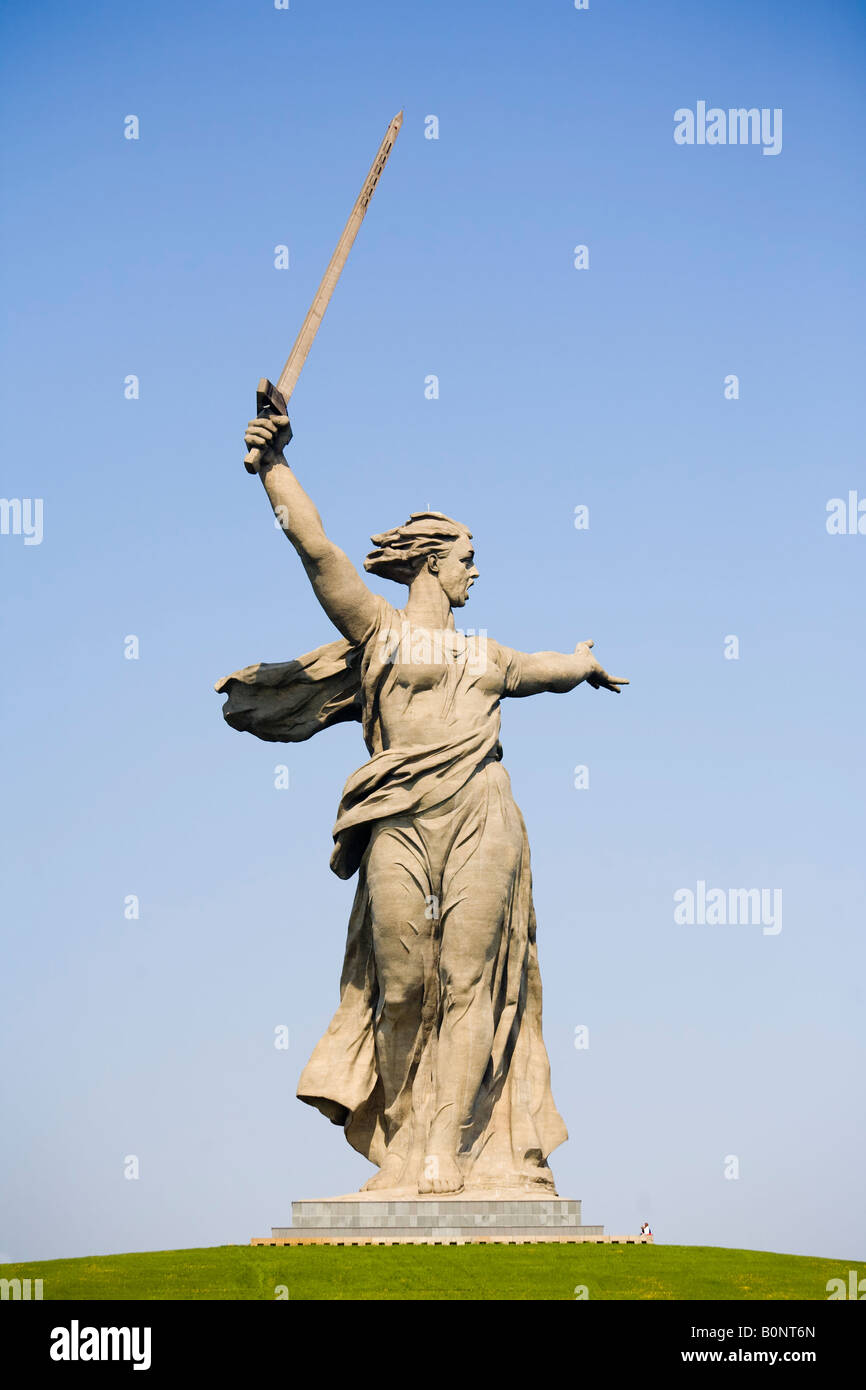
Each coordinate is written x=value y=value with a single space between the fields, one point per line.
x=428 y=604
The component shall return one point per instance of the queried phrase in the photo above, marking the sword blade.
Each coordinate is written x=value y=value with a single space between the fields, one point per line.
x=310 y=327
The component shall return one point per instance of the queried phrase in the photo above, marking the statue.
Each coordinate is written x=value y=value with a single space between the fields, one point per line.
x=434 y=1062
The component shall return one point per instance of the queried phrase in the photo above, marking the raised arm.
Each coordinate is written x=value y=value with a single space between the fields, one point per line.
x=535 y=672
x=338 y=586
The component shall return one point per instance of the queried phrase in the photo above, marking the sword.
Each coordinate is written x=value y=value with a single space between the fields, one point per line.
x=273 y=400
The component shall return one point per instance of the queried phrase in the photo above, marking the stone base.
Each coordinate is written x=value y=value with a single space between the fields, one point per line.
x=373 y=1218
x=446 y=1238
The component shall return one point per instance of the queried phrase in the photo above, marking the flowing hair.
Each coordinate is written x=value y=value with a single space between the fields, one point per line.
x=400 y=553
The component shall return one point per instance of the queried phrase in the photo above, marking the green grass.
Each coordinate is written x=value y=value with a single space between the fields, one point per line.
x=440 y=1272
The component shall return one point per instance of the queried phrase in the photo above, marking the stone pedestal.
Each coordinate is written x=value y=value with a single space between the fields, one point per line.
x=376 y=1218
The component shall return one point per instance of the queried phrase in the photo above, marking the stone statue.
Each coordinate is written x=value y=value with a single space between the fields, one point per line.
x=434 y=1062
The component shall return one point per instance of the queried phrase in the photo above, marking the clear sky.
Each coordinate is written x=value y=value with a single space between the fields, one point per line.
x=601 y=387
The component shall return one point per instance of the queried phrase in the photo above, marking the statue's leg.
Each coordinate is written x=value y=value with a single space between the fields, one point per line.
x=397 y=879
x=475 y=905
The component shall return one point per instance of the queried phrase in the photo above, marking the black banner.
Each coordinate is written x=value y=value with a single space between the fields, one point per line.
x=152 y=1338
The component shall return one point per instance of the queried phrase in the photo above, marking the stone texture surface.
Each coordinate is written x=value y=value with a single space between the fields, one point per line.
x=433 y=1215
x=447 y=1219
x=434 y=1064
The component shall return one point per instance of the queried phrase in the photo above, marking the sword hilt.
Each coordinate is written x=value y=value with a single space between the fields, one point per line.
x=269 y=401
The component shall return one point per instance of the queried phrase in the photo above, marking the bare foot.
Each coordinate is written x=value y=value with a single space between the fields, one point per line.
x=441 y=1174
x=388 y=1175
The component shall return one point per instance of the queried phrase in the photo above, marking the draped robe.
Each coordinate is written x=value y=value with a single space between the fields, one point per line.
x=420 y=785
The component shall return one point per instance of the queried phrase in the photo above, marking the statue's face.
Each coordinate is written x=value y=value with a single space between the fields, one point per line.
x=456 y=572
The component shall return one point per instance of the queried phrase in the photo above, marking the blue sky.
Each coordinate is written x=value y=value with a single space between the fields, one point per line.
x=558 y=387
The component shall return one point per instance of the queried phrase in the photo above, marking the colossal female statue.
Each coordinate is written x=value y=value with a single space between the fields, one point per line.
x=434 y=1062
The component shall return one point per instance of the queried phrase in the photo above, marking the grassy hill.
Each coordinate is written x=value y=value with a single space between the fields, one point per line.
x=439 y=1272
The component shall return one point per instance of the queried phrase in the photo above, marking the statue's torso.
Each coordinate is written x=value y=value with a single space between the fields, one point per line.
x=435 y=685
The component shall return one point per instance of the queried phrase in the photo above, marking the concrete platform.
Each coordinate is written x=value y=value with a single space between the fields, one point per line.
x=380 y=1218
x=452 y=1238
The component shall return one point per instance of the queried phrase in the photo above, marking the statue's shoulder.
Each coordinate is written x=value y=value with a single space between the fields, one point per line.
x=507 y=660
x=385 y=619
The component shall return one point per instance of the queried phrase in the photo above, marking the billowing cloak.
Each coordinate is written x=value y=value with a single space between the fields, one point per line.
x=515 y=1124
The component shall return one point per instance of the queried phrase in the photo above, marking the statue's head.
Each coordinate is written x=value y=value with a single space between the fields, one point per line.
x=427 y=541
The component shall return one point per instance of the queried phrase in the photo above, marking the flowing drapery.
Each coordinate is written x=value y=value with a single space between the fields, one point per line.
x=515 y=1124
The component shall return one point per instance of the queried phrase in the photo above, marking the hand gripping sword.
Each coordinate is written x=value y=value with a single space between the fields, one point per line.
x=273 y=400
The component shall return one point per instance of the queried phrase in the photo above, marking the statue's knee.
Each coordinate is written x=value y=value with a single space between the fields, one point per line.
x=462 y=989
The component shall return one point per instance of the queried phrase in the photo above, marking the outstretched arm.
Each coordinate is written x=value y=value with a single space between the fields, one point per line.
x=561 y=671
x=338 y=586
